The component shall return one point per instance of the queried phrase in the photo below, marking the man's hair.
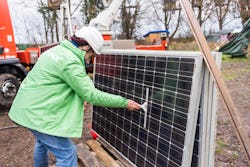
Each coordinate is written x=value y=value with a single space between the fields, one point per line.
x=79 y=41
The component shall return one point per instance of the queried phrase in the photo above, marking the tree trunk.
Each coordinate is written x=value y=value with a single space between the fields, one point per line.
x=244 y=10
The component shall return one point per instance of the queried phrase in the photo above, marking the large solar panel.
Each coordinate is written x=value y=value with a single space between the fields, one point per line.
x=173 y=81
x=204 y=144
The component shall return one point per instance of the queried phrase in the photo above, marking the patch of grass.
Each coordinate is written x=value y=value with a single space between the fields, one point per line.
x=229 y=75
x=228 y=58
x=235 y=155
x=245 y=70
x=224 y=122
x=181 y=46
x=218 y=150
x=222 y=143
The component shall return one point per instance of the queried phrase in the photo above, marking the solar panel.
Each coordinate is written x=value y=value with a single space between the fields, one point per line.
x=203 y=151
x=171 y=84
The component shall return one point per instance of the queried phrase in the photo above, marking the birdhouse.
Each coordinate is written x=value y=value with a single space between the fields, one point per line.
x=55 y=4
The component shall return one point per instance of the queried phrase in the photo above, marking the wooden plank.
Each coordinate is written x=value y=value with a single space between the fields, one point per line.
x=121 y=160
x=217 y=76
x=86 y=157
x=102 y=154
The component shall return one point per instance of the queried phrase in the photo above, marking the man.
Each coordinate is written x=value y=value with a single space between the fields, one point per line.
x=50 y=99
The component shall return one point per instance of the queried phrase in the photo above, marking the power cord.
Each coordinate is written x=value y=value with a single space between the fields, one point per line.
x=10 y=127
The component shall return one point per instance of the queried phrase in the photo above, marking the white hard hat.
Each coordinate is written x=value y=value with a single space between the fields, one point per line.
x=92 y=36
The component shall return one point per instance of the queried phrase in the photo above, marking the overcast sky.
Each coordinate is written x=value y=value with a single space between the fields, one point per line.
x=28 y=24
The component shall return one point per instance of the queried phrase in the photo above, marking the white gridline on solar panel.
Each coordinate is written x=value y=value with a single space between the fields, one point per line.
x=152 y=58
x=143 y=68
x=159 y=102
x=150 y=118
x=139 y=97
x=150 y=132
x=138 y=154
x=131 y=122
x=176 y=94
x=174 y=115
x=160 y=122
x=142 y=84
x=175 y=76
x=147 y=145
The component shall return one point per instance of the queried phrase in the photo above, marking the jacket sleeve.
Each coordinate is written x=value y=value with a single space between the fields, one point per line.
x=75 y=76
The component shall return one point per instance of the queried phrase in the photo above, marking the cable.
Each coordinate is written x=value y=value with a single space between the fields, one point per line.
x=10 y=127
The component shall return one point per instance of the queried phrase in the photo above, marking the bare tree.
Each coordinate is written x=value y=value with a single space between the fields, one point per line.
x=90 y=9
x=222 y=9
x=170 y=12
x=50 y=18
x=42 y=8
x=244 y=10
x=31 y=28
x=203 y=8
x=129 y=16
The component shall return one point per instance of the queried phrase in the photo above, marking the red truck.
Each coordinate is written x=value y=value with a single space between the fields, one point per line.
x=14 y=63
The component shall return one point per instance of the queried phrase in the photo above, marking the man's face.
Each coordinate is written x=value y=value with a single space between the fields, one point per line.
x=89 y=53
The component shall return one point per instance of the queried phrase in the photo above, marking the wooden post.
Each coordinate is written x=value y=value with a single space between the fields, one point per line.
x=215 y=72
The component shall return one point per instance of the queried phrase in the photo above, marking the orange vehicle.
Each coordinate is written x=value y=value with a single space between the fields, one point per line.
x=14 y=63
x=158 y=40
x=104 y=19
x=162 y=46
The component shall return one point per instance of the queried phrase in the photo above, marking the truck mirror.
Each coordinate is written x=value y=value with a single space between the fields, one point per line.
x=1 y=50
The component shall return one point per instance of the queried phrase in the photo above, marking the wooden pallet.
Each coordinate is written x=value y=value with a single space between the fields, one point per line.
x=97 y=154
x=87 y=158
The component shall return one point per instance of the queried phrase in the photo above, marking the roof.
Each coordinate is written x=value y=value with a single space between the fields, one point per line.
x=158 y=31
x=237 y=30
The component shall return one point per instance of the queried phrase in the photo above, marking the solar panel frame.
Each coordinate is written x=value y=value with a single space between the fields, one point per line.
x=193 y=106
x=206 y=124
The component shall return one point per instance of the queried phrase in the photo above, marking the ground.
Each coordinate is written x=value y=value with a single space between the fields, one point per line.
x=16 y=144
x=228 y=151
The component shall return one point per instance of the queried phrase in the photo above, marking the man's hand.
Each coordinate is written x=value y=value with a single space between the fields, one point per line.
x=132 y=105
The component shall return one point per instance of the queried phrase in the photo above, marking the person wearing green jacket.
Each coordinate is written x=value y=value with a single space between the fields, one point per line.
x=50 y=100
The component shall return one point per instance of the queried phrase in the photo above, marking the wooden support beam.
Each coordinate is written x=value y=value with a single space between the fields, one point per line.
x=102 y=154
x=86 y=157
x=215 y=72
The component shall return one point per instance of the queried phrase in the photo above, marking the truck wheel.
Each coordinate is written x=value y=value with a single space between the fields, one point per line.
x=9 y=85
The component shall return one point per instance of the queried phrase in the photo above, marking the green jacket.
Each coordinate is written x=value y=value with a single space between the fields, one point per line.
x=50 y=99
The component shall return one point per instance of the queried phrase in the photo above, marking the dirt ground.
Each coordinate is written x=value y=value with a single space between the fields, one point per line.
x=16 y=144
